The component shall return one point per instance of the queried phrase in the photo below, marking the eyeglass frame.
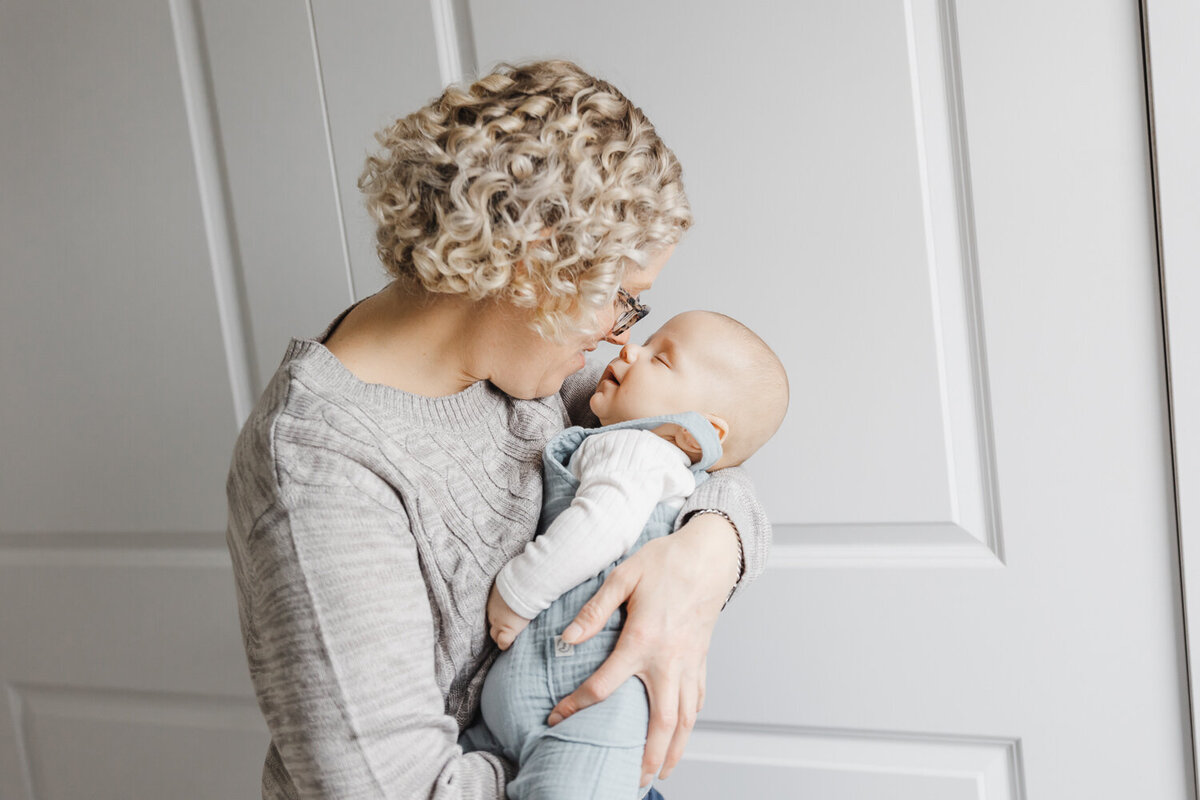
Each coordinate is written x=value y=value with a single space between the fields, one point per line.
x=634 y=313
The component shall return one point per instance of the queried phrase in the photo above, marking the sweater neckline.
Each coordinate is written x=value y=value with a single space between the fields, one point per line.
x=458 y=411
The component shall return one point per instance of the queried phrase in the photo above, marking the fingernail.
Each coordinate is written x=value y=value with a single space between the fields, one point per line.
x=649 y=776
x=555 y=718
x=572 y=633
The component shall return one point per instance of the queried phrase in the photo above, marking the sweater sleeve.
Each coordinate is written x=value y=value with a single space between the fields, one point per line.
x=731 y=491
x=340 y=637
x=623 y=475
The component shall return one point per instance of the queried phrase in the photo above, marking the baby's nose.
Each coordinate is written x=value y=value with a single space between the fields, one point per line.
x=630 y=352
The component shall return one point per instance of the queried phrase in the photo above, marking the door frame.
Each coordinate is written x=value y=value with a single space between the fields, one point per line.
x=1170 y=29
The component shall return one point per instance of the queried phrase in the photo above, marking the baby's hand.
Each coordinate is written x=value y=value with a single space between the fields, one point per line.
x=504 y=623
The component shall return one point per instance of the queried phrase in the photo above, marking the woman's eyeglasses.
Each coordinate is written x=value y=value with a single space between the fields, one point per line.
x=629 y=312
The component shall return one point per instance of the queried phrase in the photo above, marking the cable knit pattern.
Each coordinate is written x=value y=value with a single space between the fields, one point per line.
x=366 y=526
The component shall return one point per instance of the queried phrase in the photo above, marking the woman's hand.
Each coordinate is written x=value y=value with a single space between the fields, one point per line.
x=675 y=586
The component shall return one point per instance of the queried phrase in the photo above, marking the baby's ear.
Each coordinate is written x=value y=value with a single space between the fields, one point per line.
x=720 y=424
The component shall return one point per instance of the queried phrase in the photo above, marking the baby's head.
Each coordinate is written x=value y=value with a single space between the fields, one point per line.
x=706 y=362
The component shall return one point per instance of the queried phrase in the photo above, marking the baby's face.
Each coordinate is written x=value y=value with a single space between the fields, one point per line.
x=671 y=373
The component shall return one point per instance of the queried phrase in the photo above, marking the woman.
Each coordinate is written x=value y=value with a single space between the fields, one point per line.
x=392 y=466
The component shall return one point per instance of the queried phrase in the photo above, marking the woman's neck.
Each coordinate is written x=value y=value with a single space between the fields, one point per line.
x=423 y=343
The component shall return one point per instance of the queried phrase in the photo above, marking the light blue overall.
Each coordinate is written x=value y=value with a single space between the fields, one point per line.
x=596 y=752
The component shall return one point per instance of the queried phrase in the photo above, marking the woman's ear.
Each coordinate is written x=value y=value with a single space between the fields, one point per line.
x=720 y=424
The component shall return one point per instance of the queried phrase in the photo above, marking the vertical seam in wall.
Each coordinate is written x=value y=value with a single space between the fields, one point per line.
x=1148 y=87
x=333 y=172
x=232 y=306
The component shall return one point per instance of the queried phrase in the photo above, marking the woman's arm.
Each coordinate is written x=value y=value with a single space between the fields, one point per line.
x=341 y=640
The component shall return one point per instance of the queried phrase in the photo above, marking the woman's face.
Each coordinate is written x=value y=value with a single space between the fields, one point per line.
x=538 y=367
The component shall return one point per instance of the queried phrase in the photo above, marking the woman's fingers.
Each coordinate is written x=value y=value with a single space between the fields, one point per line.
x=689 y=688
x=620 y=665
x=616 y=589
x=663 y=691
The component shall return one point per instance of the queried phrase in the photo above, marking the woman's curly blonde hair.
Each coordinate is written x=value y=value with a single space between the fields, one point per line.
x=537 y=184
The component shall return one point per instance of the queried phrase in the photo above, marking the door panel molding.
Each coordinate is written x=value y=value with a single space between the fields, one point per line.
x=971 y=535
x=329 y=148
x=883 y=544
x=223 y=255
x=59 y=728
x=913 y=764
x=454 y=40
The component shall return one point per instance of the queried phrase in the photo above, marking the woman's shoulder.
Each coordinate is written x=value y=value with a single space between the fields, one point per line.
x=299 y=424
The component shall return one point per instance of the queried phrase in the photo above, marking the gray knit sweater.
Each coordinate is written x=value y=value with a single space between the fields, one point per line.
x=366 y=526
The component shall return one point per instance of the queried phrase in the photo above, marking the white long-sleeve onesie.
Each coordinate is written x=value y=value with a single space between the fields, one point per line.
x=623 y=475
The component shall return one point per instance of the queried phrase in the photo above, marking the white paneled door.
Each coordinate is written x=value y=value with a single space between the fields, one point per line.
x=939 y=212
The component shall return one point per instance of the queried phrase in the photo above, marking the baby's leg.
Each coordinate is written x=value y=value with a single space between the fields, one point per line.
x=515 y=700
x=561 y=770
x=595 y=753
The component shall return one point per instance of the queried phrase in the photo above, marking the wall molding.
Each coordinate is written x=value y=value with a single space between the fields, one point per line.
x=994 y=762
x=455 y=41
x=214 y=713
x=971 y=535
x=943 y=157
x=16 y=707
x=890 y=545
x=187 y=550
x=232 y=305
x=333 y=170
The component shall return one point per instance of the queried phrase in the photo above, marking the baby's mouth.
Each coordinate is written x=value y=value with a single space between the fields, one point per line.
x=609 y=375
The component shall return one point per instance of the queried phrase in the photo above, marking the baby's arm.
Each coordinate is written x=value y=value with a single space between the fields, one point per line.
x=623 y=475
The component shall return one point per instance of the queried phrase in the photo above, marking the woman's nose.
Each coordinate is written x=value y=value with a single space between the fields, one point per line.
x=621 y=338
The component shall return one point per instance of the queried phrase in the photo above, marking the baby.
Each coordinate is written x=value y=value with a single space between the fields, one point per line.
x=704 y=392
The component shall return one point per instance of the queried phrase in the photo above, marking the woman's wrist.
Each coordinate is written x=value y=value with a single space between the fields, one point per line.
x=741 y=551
x=713 y=530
